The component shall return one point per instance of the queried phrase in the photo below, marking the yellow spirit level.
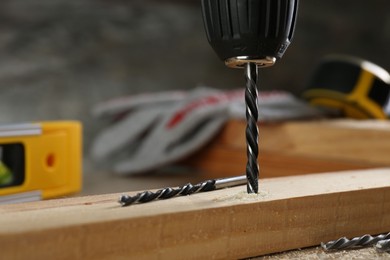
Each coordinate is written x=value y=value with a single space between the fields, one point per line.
x=40 y=158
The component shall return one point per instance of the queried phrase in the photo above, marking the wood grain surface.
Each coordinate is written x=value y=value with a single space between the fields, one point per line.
x=301 y=147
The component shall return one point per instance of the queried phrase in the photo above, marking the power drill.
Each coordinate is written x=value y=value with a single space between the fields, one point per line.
x=250 y=34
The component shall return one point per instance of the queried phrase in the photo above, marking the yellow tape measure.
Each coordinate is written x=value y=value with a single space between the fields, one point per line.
x=356 y=88
x=43 y=157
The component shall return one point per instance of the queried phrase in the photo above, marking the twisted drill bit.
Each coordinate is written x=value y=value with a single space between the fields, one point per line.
x=345 y=243
x=252 y=132
x=187 y=189
x=383 y=245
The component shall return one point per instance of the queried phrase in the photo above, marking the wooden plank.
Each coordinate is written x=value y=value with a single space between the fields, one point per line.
x=290 y=212
x=217 y=162
x=292 y=148
x=365 y=141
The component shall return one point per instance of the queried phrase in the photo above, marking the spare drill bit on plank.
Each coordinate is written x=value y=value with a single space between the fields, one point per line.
x=356 y=242
x=188 y=189
x=383 y=245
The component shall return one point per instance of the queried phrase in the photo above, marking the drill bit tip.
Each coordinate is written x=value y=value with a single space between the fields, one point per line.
x=383 y=245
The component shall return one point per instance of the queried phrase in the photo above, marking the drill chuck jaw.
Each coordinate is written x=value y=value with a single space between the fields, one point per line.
x=249 y=31
x=241 y=61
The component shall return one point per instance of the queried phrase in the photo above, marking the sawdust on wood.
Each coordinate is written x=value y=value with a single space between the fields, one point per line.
x=244 y=196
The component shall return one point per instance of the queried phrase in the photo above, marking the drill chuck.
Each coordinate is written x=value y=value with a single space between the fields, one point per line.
x=249 y=31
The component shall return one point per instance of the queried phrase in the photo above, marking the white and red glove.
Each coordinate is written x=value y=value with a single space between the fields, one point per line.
x=157 y=129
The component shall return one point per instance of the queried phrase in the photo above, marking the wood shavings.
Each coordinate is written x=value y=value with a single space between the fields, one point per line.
x=244 y=196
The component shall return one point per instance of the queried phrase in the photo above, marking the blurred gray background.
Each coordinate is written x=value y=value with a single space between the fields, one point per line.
x=60 y=57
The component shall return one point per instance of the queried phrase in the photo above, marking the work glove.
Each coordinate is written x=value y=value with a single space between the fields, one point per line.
x=156 y=129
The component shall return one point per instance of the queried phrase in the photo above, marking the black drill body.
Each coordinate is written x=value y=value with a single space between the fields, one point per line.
x=250 y=34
